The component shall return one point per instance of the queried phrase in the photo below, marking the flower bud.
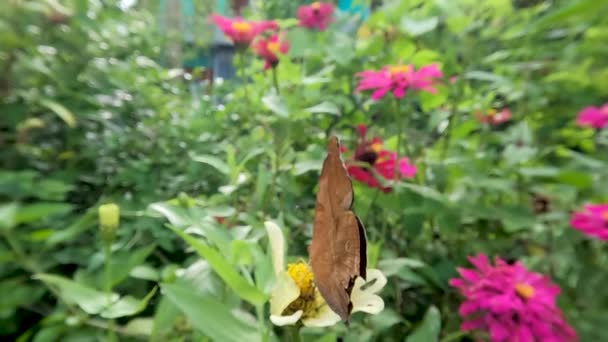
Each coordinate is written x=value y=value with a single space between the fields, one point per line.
x=109 y=219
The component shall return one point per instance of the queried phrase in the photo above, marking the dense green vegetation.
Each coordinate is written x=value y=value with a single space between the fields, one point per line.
x=92 y=112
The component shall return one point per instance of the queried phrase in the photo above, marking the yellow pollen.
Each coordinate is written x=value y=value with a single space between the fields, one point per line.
x=273 y=47
x=491 y=112
x=376 y=147
x=302 y=275
x=398 y=69
x=315 y=5
x=525 y=291
x=241 y=26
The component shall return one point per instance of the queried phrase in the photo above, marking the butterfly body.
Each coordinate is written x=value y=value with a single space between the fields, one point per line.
x=338 y=248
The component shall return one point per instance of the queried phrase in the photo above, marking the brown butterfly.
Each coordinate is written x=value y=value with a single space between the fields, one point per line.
x=338 y=249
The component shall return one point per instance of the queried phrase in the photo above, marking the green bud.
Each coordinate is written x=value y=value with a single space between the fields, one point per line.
x=109 y=219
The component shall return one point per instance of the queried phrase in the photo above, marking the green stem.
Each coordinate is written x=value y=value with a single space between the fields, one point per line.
x=107 y=250
x=261 y=319
x=294 y=331
x=402 y=120
x=275 y=80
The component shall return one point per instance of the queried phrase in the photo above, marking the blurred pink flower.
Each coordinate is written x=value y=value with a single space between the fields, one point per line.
x=510 y=303
x=398 y=79
x=382 y=161
x=592 y=221
x=596 y=117
x=270 y=49
x=240 y=31
x=492 y=117
x=316 y=15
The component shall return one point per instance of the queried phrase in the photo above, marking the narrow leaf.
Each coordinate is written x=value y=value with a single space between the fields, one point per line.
x=226 y=271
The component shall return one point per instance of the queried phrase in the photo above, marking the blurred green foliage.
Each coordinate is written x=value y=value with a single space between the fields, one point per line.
x=89 y=116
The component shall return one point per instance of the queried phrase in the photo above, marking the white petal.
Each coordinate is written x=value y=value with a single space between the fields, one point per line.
x=366 y=300
x=372 y=274
x=324 y=317
x=277 y=245
x=286 y=320
x=284 y=293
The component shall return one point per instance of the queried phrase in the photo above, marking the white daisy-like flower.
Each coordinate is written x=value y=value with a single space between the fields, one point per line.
x=295 y=297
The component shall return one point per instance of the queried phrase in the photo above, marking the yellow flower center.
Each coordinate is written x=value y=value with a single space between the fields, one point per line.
x=395 y=69
x=241 y=26
x=376 y=147
x=308 y=301
x=524 y=290
x=302 y=275
x=605 y=216
x=491 y=112
x=315 y=5
x=273 y=47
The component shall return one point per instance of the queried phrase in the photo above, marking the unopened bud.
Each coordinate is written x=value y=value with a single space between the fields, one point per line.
x=109 y=219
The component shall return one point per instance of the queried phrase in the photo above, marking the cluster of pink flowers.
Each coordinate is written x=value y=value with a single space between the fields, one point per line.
x=397 y=79
x=592 y=221
x=595 y=117
x=370 y=160
x=493 y=117
x=510 y=303
x=317 y=15
x=263 y=36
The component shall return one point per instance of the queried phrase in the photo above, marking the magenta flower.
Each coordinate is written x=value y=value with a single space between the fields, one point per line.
x=592 y=221
x=317 y=15
x=398 y=79
x=510 y=303
x=494 y=118
x=240 y=31
x=270 y=49
x=596 y=117
x=370 y=155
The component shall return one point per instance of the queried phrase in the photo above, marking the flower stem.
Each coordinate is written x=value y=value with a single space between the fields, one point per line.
x=402 y=120
x=107 y=251
x=275 y=80
x=295 y=332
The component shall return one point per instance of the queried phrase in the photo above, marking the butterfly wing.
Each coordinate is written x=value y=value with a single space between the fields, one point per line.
x=338 y=248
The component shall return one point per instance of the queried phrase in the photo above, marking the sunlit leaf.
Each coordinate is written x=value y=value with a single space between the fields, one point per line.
x=226 y=271
x=210 y=316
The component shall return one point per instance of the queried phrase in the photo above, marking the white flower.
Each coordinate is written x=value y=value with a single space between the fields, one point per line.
x=296 y=298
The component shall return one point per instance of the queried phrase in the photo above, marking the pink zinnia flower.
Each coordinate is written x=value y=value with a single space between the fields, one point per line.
x=397 y=79
x=510 y=303
x=596 y=117
x=494 y=118
x=382 y=161
x=240 y=31
x=270 y=49
x=592 y=221
x=317 y=15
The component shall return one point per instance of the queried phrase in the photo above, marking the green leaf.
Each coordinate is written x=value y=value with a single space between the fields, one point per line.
x=428 y=330
x=123 y=263
x=88 y=299
x=8 y=213
x=210 y=316
x=324 y=107
x=178 y=216
x=37 y=211
x=573 y=10
x=276 y=105
x=305 y=166
x=424 y=191
x=214 y=162
x=61 y=111
x=82 y=224
x=127 y=306
x=226 y=271
x=418 y=27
